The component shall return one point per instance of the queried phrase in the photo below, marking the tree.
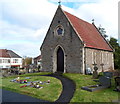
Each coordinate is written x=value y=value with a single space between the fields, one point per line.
x=102 y=31
x=116 y=47
x=27 y=61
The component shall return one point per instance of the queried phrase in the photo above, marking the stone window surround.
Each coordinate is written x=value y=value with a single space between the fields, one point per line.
x=55 y=30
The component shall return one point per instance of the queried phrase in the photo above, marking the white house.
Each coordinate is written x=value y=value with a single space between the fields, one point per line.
x=37 y=61
x=9 y=59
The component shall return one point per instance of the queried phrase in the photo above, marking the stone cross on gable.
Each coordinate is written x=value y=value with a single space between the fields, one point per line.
x=59 y=2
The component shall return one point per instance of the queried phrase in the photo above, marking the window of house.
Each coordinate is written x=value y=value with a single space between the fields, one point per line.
x=8 y=60
x=0 y=60
x=7 y=66
x=3 y=60
x=15 y=60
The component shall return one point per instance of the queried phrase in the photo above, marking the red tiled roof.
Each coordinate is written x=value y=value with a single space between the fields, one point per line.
x=88 y=33
x=4 y=53
x=8 y=54
x=38 y=57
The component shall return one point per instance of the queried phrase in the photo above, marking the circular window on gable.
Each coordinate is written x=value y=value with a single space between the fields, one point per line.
x=60 y=30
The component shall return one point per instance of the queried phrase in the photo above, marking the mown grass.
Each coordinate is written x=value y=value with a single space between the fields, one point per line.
x=0 y=82
x=53 y=90
x=104 y=95
x=49 y=92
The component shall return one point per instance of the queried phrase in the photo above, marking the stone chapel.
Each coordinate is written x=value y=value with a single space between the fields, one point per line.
x=73 y=45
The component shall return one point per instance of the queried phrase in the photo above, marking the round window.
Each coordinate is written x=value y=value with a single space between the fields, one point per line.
x=59 y=30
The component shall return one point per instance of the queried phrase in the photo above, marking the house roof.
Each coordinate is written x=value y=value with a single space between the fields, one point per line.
x=8 y=54
x=4 y=53
x=13 y=54
x=38 y=57
x=88 y=33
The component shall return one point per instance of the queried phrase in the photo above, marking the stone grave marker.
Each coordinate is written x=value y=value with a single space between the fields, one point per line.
x=108 y=74
x=117 y=84
x=104 y=83
x=95 y=73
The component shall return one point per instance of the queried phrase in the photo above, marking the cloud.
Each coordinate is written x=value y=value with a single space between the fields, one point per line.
x=73 y=1
x=24 y=23
x=105 y=12
x=14 y=31
x=25 y=49
x=28 y=13
x=23 y=40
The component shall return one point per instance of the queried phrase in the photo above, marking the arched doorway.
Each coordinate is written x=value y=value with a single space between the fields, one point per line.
x=60 y=60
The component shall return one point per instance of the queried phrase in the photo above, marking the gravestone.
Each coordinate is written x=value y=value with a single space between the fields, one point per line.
x=108 y=74
x=104 y=83
x=117 y=84
x=95 y=73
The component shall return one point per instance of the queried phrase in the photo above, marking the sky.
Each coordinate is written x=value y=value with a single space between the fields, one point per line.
x=24 y=23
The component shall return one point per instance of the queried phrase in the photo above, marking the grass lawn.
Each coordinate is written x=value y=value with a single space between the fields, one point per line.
x=49 y=92
x=0 y=82
x=104 y=95
x=53 y=90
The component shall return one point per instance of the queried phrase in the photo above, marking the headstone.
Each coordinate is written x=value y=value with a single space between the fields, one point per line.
x=104 y=81
x=117 y=84
x=108 y=74
x=95 y=73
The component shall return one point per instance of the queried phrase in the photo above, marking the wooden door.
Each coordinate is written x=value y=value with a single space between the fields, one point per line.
x=60 y=60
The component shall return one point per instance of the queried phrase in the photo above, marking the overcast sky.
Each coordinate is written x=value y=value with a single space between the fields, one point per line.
x=24 y=23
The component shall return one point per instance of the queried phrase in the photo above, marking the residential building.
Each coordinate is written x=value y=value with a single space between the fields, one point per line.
x=9 y=59
x=37 y=61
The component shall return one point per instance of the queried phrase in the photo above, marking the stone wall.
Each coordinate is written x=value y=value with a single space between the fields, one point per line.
x=76 y=58
x=69 y=42
x=99 y=57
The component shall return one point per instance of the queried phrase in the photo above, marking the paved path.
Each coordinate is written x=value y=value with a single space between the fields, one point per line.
x=9 y=96
x=66 y=95
x=68 y=88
